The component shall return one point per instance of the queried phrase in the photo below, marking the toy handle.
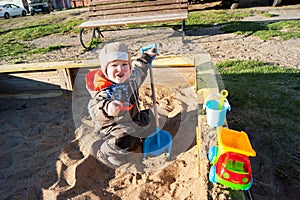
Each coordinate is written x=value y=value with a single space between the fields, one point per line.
x=223 y=95
x=152 y=85
x=215 y=95
x=150 y=46
x=126 y=106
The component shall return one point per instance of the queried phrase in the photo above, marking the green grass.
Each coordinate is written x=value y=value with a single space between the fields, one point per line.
x=284 y=30
x=266 y=14
x=209 y=18
x=16 y=32
x=265 y=103
x=47 y=49
x=272 y=90
x=14 y=39
x=197 y=19
x=230 y=22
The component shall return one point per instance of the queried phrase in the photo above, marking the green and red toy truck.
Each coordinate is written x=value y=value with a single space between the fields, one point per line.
x=231 y=165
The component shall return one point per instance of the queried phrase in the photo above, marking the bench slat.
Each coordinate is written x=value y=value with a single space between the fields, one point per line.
x=105 y=2
x=133 y=20
x=138 y=7
x=145 y=12
x=134 y=2
x=137 y=10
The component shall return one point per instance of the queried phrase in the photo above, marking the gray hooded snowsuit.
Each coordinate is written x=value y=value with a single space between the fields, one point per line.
x=122 y=133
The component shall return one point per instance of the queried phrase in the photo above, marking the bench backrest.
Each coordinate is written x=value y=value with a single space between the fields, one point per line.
x=120 y=9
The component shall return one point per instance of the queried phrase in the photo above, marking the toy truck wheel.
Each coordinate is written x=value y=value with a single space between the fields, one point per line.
x=250 y=185
x=212 y=174
x=212 y=154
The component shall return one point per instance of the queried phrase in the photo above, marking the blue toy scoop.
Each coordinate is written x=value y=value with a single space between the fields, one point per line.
x=161 y=140
x=158 y=143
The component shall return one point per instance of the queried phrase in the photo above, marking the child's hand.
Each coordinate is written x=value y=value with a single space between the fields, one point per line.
x=113 y=108
x=151 y=52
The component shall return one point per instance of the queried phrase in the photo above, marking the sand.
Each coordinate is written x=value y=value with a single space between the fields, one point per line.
x=46 y=151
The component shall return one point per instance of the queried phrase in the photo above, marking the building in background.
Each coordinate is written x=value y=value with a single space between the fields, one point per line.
x=61 y=4
x=57 y=4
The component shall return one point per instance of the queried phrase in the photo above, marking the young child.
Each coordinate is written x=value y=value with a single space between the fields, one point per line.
x=114 y=106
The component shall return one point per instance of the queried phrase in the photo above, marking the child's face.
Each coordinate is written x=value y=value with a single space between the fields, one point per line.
x=118 y=71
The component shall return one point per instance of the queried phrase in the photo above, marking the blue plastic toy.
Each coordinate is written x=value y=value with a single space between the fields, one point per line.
x=161 y=140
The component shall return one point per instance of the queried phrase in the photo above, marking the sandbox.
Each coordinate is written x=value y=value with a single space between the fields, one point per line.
x=182 y=84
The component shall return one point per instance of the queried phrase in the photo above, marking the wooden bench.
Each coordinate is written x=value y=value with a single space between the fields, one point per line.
x=122 y=12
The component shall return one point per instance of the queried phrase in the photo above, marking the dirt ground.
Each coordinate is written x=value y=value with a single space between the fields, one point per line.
x=220 y=46
x=46 y=143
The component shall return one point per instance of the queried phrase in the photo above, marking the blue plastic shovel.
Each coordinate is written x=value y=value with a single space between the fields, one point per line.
x=161 y=140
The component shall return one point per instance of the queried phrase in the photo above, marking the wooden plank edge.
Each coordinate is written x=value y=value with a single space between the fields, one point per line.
x=202 y=62
x=160 y=61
